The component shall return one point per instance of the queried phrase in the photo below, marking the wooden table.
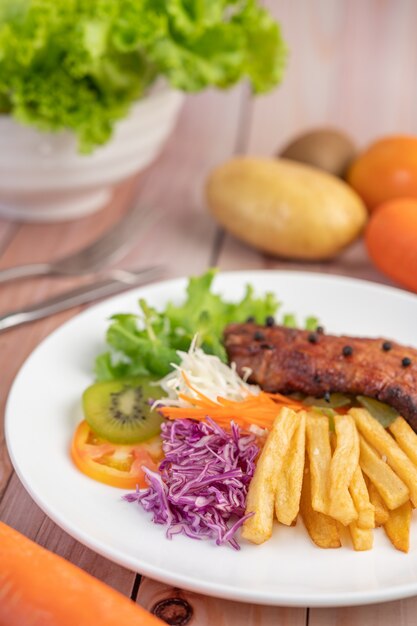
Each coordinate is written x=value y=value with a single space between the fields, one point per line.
x=212 y=127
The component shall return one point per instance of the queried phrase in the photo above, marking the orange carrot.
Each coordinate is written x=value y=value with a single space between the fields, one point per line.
x=260 y=410
x=39 y=588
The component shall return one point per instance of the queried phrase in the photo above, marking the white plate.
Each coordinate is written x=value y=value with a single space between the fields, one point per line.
x=44 y=407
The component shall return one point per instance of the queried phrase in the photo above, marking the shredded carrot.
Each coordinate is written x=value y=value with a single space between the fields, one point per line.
x=259 y=410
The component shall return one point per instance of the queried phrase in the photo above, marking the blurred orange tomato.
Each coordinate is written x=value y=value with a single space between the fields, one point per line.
x=385 y=171
x=111 y=463
x=391 y=240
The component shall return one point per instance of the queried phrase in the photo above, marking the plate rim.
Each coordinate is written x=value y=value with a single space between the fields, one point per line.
x=219 y=590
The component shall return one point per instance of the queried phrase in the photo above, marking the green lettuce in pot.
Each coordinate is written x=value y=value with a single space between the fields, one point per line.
x=80 y=64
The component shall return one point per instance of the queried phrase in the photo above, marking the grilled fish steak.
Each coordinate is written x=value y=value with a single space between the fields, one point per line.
x=288 y=360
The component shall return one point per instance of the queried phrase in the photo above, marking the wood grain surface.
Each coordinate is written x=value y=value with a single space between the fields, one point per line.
x=352 y=64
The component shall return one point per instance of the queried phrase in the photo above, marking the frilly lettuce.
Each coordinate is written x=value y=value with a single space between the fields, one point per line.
x=147 y=343
x=79 y=64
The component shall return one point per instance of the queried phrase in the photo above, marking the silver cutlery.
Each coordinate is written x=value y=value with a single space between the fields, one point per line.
x=117 y=281
x=110 y=247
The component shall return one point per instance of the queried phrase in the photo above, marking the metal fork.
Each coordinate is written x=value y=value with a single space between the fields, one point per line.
x=115 y=282
x=112 y=246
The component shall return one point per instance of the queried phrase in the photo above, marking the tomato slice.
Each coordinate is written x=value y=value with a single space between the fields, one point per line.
x=114 y=464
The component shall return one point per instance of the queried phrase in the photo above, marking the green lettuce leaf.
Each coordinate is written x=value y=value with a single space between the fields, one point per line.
x=147 y=343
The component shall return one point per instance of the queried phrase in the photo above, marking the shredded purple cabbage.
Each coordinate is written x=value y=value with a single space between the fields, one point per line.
x=203 y=482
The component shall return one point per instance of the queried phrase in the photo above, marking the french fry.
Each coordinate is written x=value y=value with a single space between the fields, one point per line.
x=381 y=511
x=355 y=487
x=379 y=438
x=360 y=496
x=321 y=528
x=263 y=486
x=342 y=467
x=319 y=454
x=397 y=527
x=362 y=538
x=290 y=480
x=391 y=488
x=405 y=437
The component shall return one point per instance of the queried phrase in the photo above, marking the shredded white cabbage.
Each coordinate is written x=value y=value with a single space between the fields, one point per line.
x=206 y=374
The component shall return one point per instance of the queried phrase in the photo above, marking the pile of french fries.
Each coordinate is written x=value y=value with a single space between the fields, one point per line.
x=344 y=480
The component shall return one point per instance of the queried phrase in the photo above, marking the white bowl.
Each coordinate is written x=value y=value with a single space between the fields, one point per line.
x=44 y=178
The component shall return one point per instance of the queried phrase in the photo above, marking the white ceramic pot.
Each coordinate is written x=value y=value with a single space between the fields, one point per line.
x=44 y=178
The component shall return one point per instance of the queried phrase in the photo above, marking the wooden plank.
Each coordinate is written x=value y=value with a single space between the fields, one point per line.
x=401 y=613
x=354 y=261
x=36 y=243
x=183 y=239
x=185 y=607
x=7 y=232
x=352 y=65
x=40 y=242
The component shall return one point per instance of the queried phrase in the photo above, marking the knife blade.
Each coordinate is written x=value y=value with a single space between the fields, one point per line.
x=121 y=280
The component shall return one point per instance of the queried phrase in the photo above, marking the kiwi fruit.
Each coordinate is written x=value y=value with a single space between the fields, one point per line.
x=121 y=410
x=328 y=149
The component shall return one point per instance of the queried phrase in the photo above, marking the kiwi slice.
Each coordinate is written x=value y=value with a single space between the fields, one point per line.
x=120 y=410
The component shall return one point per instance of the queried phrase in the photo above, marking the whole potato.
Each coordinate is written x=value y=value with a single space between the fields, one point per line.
x=285 y=208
